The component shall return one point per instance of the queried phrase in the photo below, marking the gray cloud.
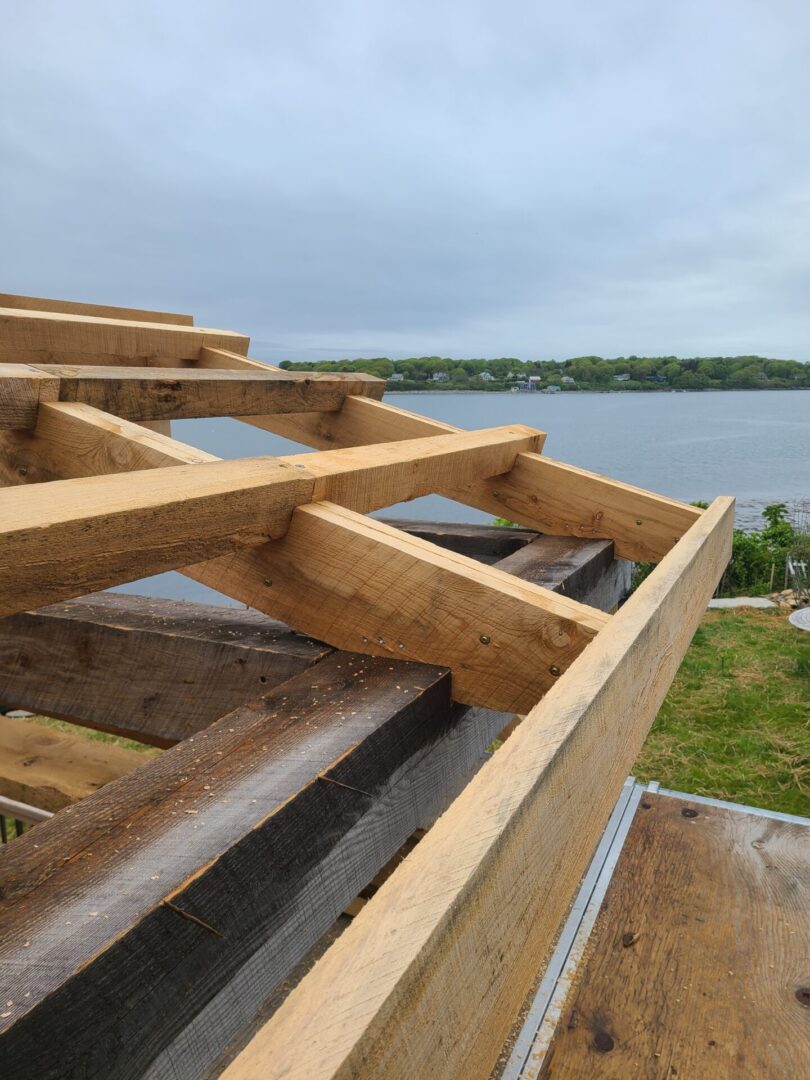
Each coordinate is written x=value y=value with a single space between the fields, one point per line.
x=358 y=178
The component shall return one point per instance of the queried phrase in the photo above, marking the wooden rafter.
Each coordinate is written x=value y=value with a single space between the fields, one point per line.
x=173 y=393
x=47 y=337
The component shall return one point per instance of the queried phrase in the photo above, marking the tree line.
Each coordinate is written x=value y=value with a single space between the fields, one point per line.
x=577 y=373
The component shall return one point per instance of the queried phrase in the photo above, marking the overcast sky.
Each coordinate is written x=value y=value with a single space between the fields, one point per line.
x=339 y=178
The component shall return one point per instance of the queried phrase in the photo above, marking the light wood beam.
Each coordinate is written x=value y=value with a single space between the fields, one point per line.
x=73 y=537
x=539 y=493
x=366 y=587
x=47 y=337
x=429 y=977
x=136 y=393
x=116 y=528
x=104 y=311
x=50 y=769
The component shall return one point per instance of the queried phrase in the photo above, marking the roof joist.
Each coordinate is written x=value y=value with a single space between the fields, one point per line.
x=148 y=393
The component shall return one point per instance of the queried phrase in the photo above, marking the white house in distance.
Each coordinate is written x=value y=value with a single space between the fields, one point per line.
x=396 y=377
x=441 y=376
x=486 y=376
x=568 y=380
x=624 y=377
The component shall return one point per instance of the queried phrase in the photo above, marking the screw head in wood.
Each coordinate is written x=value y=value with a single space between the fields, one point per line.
x=485 y=639
x=554 y=670
x=268 y=581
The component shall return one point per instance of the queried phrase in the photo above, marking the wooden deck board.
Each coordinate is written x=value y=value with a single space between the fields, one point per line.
x=717 y=907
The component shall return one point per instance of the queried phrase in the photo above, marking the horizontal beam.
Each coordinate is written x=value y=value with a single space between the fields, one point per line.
x=47 y=337
x=51 y=769
x=138 y=905
x=364 y=586
x=152 y=670
x=104 y=311
x=137 y=393
x=67 y=539
x=429 y=977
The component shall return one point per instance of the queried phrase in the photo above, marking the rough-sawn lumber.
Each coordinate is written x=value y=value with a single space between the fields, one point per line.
x=428 y=978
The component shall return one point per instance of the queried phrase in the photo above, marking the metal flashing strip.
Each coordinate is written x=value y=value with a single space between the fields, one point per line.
x=704 y=800
x=541 y=1019
x=544 y=1013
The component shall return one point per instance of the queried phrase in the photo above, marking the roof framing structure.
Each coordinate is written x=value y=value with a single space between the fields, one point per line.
x=430 y=976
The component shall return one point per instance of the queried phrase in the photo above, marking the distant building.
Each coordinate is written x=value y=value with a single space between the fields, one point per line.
x=526 y=386
x=552 y=388
x=762 y=376
x=624 y=377
x=535 y=378
x=440 y=376
x=396 y=377
x=568 y=380
x=486 y=376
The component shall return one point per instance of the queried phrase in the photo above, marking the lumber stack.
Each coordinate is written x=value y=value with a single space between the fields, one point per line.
x=399 y=655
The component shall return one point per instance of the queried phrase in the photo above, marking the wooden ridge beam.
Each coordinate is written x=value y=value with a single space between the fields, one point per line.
x=48 y=337
x=123 y=916
x=148 y=393
x=152 y=670
x=364 y=586
x=51 y=769
x=104 y=311
x=539 y=493
x=429 y=977
x=117 y=528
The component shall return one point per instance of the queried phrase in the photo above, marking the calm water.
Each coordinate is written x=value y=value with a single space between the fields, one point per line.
x=751 y=444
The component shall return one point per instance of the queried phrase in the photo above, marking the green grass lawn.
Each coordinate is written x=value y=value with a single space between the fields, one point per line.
x=736 y=723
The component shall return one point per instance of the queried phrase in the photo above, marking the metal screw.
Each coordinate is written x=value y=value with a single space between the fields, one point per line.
x=268 y=581
x=485 y=639
x=554 y=670
x=639 y=521
x=23 y=471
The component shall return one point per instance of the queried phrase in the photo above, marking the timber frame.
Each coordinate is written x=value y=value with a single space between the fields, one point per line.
x=143 y=926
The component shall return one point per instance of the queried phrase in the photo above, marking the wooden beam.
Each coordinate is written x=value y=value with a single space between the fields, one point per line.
x=138 y=905
x=22 y=388
x=148 y=669
x=364 y=586
x=539 y=493
x=51 y=769
x=69 y=538
x=104 y=311
x=73 y=440
x=147 y=393
x=429 y=977
x=47 y=337
x=117 y=528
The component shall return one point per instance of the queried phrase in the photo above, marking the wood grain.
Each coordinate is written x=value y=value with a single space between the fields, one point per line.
x=148 y=393
x=718 y=905
x=104 y=311
x=428 y=978
x=227 y=827
x=50 y=769
x=48 y=337
x=73 y=537
x=366 y=587
x=21 y=390
x=148 y=669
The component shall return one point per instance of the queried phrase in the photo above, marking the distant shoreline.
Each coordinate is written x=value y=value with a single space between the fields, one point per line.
x=610 y=390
